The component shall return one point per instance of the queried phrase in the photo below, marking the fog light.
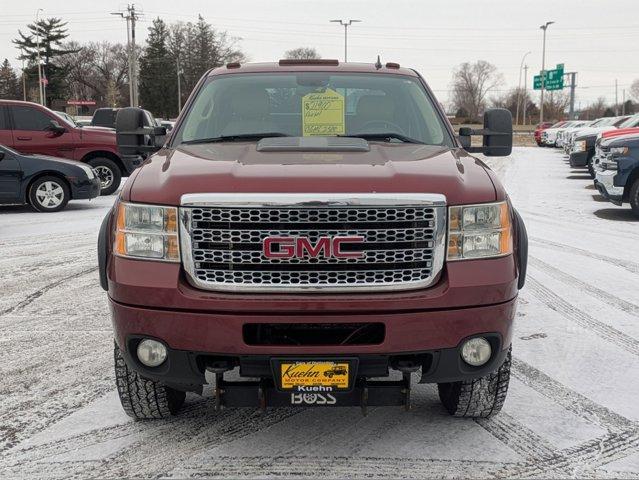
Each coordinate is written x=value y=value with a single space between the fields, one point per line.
x=476 y=351
x=151 y=353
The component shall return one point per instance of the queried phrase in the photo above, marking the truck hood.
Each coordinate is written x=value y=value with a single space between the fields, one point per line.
x=240 y=168
x=97 y=135
x=593 y=130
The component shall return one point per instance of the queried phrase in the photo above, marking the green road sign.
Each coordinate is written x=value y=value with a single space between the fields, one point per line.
x=554 y=79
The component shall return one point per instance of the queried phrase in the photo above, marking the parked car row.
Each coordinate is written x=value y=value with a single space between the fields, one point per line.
x=616 y=166
x=29 y=129
x=608 y=147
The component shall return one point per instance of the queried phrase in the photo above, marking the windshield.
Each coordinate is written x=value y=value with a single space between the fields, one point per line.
x=239 y=106
x=66 y=118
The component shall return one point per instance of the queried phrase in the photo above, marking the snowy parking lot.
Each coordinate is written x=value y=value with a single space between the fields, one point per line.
x=572 y=408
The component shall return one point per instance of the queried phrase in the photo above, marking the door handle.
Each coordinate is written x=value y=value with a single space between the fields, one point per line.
x=24 y=138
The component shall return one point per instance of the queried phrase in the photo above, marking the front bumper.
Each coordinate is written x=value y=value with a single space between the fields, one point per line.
x=195 y=338
x=604 y=182
x=579 y=159
x=85 y=189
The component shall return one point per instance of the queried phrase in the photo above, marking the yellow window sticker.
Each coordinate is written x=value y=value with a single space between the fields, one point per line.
x=323 y=113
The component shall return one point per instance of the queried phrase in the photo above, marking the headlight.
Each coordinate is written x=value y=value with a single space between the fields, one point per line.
x=479 y=231
x=580 y=146
x=619 y=151
x=88 y=170
x=147 y=232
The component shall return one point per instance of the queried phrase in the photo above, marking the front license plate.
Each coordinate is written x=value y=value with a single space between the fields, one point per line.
x=321 y=373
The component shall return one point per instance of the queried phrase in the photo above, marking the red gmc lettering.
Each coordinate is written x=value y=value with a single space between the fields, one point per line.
x=289 y=247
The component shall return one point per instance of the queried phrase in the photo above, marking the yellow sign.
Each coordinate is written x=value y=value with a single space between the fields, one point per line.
x=314 y=374
x=323 y=113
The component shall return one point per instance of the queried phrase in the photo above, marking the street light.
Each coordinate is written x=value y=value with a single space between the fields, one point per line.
x=543 y=71
x=40 y=85
x=345 y=24
x=521 y=65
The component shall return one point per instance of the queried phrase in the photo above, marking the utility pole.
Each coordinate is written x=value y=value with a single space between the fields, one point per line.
x=24 y=82
x=519 y=87
x=39 y=59
x=131 y=16
x=525 y=95
x=543 y=71
x=573 y=84
x=345 y=24
x=623 y=101
x=616 y=98
x=178 y=85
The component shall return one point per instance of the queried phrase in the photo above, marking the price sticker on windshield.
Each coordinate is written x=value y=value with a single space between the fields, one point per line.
x=323 y=113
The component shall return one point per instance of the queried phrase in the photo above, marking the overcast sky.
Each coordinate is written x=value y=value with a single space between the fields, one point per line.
x=597 y=38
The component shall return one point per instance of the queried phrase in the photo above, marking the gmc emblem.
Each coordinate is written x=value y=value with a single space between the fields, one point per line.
x=300 y=247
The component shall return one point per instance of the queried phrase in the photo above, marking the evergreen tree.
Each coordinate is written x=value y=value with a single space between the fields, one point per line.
x=9 y=84
x=47 y=34
x=158 y=72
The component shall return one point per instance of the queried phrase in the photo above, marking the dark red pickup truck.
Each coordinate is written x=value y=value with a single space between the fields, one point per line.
x=33 y=129
x=317 y=226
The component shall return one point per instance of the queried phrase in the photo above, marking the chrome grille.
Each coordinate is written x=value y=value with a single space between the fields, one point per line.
x=402 y=247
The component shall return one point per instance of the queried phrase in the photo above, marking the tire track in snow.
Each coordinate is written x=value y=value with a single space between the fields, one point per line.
x=41 y=291
x=629 y=265
x=568 y=279
x=572 y=401
x=517 y=437
x=572 y=313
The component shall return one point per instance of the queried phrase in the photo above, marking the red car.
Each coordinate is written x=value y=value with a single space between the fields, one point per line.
x=543 y=126
x=30 y=128
x=307 y=212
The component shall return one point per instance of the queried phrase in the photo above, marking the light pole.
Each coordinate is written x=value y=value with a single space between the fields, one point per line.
x=38 y=55
x=345 y=24
x=543 y=71
x=521 y=65
x=525 y=101
x=179 y=71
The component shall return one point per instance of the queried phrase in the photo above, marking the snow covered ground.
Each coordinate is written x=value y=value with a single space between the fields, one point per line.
x=572 y=409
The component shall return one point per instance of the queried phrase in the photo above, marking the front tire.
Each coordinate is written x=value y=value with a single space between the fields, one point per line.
x=144 y=399
x=108 y=173
x=478 y=398
x=49 y=194
x=633 y=198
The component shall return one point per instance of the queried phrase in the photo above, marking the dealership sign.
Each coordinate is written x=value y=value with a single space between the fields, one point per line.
x=80 y=102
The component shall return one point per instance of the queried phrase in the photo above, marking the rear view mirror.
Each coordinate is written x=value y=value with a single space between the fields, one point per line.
x=497 y=133
x=135 y=135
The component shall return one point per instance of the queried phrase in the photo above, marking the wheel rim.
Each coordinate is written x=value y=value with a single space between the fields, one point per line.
x=50 y=194
x=105 y=174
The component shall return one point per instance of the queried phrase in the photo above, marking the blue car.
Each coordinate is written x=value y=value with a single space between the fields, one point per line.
x=617 y=170
x=45 y=183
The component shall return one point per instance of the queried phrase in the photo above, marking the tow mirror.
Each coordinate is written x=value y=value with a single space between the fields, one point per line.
x=497 y=133
x=136 y=136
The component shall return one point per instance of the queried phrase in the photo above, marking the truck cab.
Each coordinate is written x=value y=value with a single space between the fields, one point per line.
x=31 y=128
x=313 y=226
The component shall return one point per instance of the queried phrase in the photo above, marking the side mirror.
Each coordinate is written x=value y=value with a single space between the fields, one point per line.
x=134 y=136
x=497 y=133
x=55 y=128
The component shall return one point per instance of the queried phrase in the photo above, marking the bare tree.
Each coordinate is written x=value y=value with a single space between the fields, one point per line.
x=634 y=90
x=302 y=53
x=470 y=85
x=596 y=109
x=97 y=71
x=555 y=105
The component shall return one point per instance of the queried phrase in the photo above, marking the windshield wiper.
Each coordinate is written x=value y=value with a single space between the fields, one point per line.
x=235 y=138
x=387 y=136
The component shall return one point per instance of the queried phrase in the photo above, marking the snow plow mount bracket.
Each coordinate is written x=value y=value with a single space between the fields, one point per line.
x=263 y=394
